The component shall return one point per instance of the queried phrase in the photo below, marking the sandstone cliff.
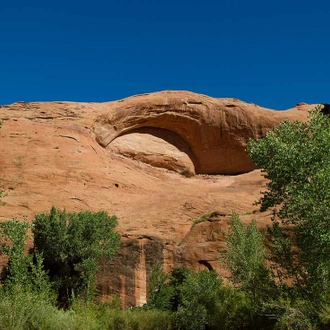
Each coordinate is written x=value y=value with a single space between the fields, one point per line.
x=136 y=158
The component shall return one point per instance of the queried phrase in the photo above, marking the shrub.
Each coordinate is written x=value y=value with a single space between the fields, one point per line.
x=207 y=303
x=21 y=309
x=202 y=218
x=197 y=300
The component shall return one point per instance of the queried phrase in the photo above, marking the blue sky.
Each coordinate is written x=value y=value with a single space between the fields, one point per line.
x=272 y=53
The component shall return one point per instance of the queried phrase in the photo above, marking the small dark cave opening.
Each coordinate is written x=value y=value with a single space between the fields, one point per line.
x=206 y=264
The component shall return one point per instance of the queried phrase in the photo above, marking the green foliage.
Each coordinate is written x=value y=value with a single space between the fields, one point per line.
x=245 y=259
x=154 y=320
x=23 y=270
x=25 y=310
x=21 y=309
x=159 y=292
x=2 y=194
x=206 y=303
x=198 y=300
x=295 y=157
x=202 y=218
x=13 y=237
x=165 y=289
x=102 y=316
x=324 y=313
x=72 y=245
x=295 y=315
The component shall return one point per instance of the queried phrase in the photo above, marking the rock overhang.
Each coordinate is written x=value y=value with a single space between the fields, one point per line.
x=215 y=131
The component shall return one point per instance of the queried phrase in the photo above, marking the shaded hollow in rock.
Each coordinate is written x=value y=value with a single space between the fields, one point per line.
x=157 y=147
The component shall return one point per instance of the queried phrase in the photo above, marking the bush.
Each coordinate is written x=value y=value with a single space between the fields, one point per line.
x=21 y=309
x=207 y=303
x=103 y=316
x=197 y=300
x=154 y=320
x=296 y=315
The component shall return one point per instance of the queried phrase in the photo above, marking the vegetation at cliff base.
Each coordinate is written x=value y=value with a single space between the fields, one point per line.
x=197 y=300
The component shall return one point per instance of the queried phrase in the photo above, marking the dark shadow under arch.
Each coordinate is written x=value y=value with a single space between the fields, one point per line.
x=171 y=138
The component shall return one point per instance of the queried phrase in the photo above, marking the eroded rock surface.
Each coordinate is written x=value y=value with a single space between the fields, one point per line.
x=215 y=131
x=92 y=156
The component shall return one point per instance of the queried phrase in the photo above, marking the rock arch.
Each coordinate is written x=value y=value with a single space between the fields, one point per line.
x=216 y=130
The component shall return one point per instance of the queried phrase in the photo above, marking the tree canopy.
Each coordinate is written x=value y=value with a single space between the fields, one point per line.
x=72 y=244
x=295 y=157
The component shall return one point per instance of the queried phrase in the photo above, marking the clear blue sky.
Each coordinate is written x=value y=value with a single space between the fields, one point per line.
x=273 y=53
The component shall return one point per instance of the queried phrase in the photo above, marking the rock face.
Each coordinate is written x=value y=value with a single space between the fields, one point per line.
x=212 y=133
x=125 y=157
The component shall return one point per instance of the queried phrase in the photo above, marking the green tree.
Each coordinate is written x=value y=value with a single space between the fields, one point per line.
x=24 y=272
x=72 y=245
x=13 y=237
x=197 y=300
x=164 y=290
x=205 y=303
x=245 y=259
x=159 y=292
x=295 y=158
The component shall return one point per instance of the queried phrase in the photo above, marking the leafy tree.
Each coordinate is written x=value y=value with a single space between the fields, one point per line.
x=165 y=289
x=23 y=271
x=13 y=237
x=245 y=259
x=295 y=158
x=197 y=300
x=159 y=292
x=72 y=245
x=207 y=304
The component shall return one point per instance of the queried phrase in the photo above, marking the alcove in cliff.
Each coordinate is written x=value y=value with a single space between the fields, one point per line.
x=156 y=147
